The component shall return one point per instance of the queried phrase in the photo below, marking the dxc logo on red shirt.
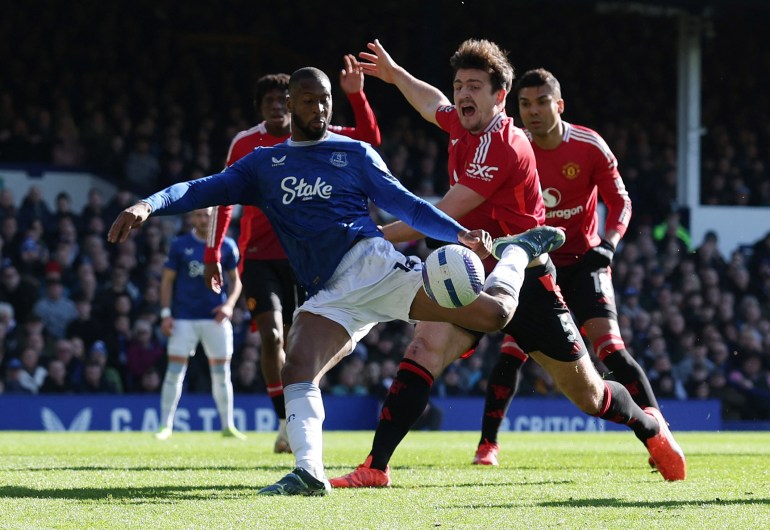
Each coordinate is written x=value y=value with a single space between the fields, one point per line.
x=478 y=171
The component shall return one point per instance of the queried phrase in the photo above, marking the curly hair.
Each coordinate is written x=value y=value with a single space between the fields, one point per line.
x=269 y=82
x=487 y=56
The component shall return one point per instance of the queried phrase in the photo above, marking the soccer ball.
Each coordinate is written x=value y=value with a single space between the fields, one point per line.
x=453 y=276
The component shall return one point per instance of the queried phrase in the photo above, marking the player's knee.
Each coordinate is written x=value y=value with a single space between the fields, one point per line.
x=272 y=340
x=496 y=313
x=426 y=355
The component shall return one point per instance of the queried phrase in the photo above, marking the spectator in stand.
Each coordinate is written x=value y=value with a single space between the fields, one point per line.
x=246 y=378
x=13 y=374
x=94 y=380
x=19 y=291
x=117 y=338
x=94 y=207
x=350 y=381
x=12 y=239
x=65 y=351
x=142 y=167
x=7 y=204
x=55 y=309
x=32 y=374
x=33 y=207
x=143 y=352
x=56 y=381
x=84 y=325
x=98 y=354
x=33 y=256
x=150 y=381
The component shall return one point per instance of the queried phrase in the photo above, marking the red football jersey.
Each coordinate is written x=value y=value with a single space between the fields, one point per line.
x=257 y=240
x=571 y=176
x=499 y=165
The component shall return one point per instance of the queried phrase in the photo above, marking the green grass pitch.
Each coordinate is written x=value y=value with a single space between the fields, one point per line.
x=553 y=480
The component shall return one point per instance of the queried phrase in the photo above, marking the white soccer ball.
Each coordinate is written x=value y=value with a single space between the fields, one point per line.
x=453 y=276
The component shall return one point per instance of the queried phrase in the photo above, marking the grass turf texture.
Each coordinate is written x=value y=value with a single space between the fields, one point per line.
x=554 y=480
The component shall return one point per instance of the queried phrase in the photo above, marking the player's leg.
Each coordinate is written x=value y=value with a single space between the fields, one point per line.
x=217 y=340
x=548 y=333
x=501 y=388
x=609 y=400
x=271 y=298
x=435 y=345
x=494 y=308
x=315 y=345
x=181 y=345
x=604 y=334
x=590 y=295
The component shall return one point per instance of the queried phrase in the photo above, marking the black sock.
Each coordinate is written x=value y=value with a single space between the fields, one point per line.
x=618 y=407
x=626 y=371
x=502 y=385
x=279 y=405
x=404 y=404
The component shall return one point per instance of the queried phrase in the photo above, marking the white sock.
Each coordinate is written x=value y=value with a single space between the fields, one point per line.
x=508 y=274
x=171 y=392
x=222 y=390
x=304 y=426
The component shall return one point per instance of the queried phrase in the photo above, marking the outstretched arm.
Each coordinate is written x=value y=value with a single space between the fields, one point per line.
x=425 y=98
x=366 y=128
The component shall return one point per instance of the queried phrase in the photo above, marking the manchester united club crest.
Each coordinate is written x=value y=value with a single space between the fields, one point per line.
x=570 y=171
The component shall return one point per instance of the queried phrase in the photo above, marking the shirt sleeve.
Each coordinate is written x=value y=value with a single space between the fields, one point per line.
x=390 y=195
x=366 y=128
x=613 y=192
x=218 y=225
x=225 y=188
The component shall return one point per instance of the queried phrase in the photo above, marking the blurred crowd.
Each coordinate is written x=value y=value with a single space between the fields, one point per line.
x=157 y=106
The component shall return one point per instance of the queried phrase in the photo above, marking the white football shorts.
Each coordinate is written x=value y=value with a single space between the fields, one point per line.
x=216 y=337
x=373 y=283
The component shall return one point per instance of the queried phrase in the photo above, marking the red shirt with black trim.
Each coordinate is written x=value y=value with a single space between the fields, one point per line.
x=573 y=175
x=498 y=164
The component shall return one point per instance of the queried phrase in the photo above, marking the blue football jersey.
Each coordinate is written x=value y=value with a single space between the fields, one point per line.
x=316 y=195
x=191 y=298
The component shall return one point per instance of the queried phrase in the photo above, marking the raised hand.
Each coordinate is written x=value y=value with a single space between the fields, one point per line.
x=379 y=64
x=351 y=76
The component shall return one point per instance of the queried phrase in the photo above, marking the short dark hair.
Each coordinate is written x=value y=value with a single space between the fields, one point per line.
x=488 y=56
x=540 y=77
x=308 y=72
x=269 y=82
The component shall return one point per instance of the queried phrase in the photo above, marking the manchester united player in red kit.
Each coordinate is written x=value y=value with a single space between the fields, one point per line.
x=575 y=166
x=269 y=286
x=494 y=185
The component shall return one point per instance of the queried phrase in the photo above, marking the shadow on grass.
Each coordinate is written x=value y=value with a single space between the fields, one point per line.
x=137 y=495
x=141 y=469
x=618 y=503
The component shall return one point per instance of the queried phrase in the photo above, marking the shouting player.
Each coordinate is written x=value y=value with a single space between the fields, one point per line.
x=494 y=185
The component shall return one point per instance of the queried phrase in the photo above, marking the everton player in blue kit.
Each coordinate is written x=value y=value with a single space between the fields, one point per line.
x=315 y=189
x=192 y=313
